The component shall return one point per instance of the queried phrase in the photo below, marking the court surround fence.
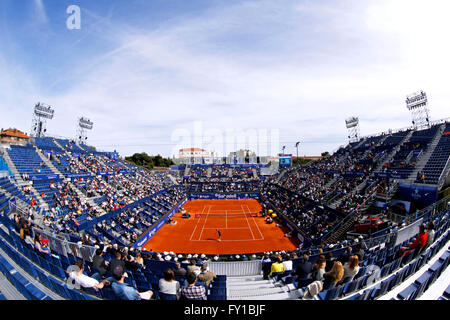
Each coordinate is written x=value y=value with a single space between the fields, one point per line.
x=236 y=268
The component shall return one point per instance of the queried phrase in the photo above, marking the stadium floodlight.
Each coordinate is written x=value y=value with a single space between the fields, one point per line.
x=296 y=145
x=44 y=111
x=41 y=113
x=84 y=124
x=417 y=104
x=352 y=125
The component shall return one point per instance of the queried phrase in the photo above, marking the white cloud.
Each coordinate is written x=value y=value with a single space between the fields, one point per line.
x=41 y=14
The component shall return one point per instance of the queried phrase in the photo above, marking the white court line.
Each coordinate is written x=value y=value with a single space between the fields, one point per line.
x=248 y=222
x=203 y=228
x=255 y=223
x=246 y=240
x=225 y=211
x=227 y=228
x=198 y=221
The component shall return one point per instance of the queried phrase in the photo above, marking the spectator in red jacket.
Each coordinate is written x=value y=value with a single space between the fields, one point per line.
x=417 y=244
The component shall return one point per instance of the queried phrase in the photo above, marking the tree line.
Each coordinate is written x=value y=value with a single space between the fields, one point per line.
x=149 y=162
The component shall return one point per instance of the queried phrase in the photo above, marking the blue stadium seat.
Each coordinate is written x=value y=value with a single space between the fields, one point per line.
x=165 y=296
x=406 y=293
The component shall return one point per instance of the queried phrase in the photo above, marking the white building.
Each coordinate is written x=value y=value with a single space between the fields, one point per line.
x=195 y=153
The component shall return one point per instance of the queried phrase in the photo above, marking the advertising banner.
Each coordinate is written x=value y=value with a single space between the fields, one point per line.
x=212 y=196
x=389 y=175
x=79 y=175
x=415 y=193
x=43 y=177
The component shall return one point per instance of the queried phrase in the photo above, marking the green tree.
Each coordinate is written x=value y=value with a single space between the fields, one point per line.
x=300 y=161
x=149 y=162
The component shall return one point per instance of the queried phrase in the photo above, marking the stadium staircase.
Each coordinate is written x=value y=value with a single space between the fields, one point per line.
x=438 y=166
x=340 y=229
x=281 y=175
x=385 y=197
x=363 y=140
x=444 y=175
x=382 y=140
x=47 y=161
x=80 y=194
x=331 y=182
x=334 y=203
x=173 y=179
x=89 y=200
x=393 y=152
x=12 y=167
x=21 y=205
x=187 y=171
x=256 y=288
x=425 y=157
x=337 y=201
x=69 y=154
x=20 y=182
x=255 y=173
x=208 y=172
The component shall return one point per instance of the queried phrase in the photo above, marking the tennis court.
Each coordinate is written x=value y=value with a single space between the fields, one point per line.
x=242 y=230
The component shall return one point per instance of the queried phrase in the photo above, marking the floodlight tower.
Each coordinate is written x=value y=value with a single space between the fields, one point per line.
x=41 y=113
x=353 y=128
x=296 y=145
x=84 y=124
x=417 y=104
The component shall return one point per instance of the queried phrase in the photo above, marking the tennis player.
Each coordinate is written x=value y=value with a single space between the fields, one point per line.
x=219 y=235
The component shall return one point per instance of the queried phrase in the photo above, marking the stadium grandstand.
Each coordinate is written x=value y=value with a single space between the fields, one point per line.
x=370 y=221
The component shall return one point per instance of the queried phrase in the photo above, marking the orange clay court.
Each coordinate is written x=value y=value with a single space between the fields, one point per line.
x=242 y=231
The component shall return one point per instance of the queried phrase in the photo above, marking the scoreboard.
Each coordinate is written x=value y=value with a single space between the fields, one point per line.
x=285 y=160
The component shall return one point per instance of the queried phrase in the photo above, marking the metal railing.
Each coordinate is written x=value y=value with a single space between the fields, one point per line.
x=444 y=174
x=236 y=268
x=60 y=245
x=425 y=213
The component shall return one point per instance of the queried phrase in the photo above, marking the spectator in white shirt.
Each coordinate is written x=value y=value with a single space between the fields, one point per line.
x=168 y=284
x=287 y=262
x=83 y=280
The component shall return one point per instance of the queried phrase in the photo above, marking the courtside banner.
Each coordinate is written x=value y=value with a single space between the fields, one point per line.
x=78 y=175
x=389 y=175
x=44 y=177
x=237 y=165
x=353 y=173
x=155 y=228
x=126 y=171
x=106 y=173
x=225 y=196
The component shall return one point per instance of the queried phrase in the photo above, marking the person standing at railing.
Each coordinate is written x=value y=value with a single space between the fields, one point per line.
x=431 y=233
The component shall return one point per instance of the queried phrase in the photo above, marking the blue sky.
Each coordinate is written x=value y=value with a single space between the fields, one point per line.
x=144 y=70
